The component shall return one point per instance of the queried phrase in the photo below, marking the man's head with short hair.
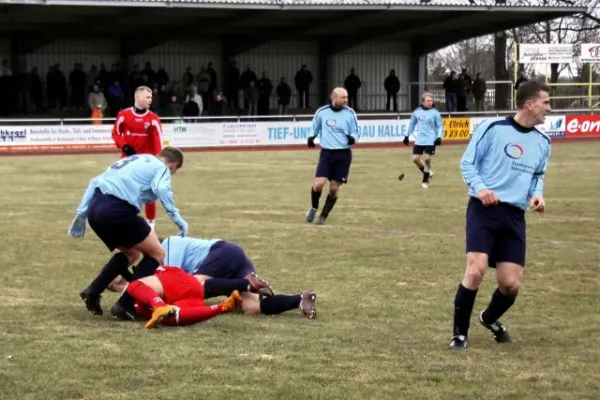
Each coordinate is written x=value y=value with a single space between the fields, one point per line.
x=533 y=103
x=427 y=100
x=173 y=157
x=339 y=97
x=143 y=97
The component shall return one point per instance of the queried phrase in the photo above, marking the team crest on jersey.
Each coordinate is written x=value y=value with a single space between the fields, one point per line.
x=422 y=117
x=514 y=151
x=331 y=122
x=146 y=125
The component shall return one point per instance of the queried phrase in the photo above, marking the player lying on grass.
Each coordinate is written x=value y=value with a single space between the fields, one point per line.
x=173 y=297
x=223 y=267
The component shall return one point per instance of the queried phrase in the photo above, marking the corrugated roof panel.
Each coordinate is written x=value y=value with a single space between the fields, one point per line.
x=283 y=3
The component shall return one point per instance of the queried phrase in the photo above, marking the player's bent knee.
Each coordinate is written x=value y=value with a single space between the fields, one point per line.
x=510 y=286
x=476 y=267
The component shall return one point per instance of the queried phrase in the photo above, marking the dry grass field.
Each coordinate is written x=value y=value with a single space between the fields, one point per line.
x=385 y=268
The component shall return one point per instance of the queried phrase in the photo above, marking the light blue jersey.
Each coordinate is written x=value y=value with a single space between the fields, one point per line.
x=186 y=253
x=508 y=159
x=333 y=126
x=137 y=179
x=429 y=125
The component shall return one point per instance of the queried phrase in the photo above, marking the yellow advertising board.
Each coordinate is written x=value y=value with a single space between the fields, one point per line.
x=457 y=128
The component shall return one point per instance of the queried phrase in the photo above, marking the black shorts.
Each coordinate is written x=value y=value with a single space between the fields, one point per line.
x=334 y=165
x=116 y=222
x=498 y=231
x=419 y=149
x=225 y=260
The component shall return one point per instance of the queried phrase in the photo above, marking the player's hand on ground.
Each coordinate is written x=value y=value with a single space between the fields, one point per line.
x=128 y=150
x=183 y=226
x=487 y=197
x=438 y=142
x=405 y=141
x=537 y=204
x=351 y=140
x=77 y=229
x=311 y=142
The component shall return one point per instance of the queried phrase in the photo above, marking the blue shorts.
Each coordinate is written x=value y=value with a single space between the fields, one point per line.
x=116 y=222
x=498 y=231
x=225 y=260
x=334 y=165
x=420 y=149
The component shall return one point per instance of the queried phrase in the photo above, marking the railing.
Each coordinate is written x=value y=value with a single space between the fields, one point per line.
x=489 y=100
x=295 y=117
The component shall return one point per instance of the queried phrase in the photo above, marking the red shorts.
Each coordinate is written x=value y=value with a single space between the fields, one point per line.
x=178 y=285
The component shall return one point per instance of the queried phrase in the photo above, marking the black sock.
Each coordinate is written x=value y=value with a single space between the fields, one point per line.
x=422 y=169
x=314 y=197
x=116 y=266
x=279 y=303
x=499 y=304
x=146 y=267
x=425 y=177
x=463 y=307
x=329 y=203
x=223 y=287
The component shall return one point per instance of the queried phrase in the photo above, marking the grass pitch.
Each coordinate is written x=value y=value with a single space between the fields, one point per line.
x=385 y=267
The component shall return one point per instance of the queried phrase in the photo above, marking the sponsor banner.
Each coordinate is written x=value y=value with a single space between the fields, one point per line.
x=590 y=52
x=545 y=53
x=582 y=125
x=554 y=126
x=457 y=128
x=271 y=133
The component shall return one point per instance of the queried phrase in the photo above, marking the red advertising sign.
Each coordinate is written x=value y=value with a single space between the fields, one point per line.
x=582 y=125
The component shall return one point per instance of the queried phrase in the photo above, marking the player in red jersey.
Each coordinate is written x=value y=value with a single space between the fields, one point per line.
x=138 y=130
x=173 y=297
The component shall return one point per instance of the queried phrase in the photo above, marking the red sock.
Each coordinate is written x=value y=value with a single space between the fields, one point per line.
x=193 y=315
x=150 y=210
x=144 y=294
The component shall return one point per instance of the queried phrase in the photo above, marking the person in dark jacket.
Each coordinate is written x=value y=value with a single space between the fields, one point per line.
x=284 y=95
x=392 y=87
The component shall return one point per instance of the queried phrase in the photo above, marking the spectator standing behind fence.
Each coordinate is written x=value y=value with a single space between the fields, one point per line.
x=247 y=76
x=173 y=108
x=265 y=88
x=463 y=90
x=284 y=95
x=450 y=86
x=303 y=79
x=392 y=87
x=97 y=103
x=479 y=90
x=232 y=85
x=352 y=84
x=203 y=81
x=116 y=98
x=251 y=96
x=219 y=105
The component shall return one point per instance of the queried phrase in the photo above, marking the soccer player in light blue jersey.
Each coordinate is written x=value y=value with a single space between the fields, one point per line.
x=503 y=167
x=337 y=127
x=428 y=121
x=111 y=205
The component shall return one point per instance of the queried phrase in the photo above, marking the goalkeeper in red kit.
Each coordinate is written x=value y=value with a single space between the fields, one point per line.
x=138 y=130
x=173 y=297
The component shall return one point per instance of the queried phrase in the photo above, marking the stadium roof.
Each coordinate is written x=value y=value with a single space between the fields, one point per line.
x=427 y=26
x=512 y=5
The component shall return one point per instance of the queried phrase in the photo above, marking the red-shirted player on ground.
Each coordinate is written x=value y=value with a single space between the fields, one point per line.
x=173 y=297
x=138 y=130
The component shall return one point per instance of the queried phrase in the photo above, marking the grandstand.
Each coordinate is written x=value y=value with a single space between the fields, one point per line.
x=277 y=37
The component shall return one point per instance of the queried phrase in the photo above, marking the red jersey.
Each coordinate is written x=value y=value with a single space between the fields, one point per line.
x=142 y=131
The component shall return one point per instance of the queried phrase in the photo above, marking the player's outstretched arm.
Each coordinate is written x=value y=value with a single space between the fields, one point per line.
x=117 y=131
x=77 y=228
x=165 y=195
